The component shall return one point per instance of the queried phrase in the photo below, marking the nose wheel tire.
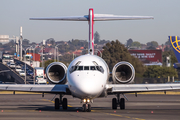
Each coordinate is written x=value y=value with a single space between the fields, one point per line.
x=86 y=107
x=89 y=108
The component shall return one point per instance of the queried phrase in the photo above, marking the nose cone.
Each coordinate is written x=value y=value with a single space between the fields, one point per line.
x=88 y=88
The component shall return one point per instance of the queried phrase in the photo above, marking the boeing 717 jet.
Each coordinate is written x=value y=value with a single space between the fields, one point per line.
x=87 y=76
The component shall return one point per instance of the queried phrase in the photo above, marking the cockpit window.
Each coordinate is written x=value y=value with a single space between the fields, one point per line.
x=99 y=68
x=73 y=68
x=81 y=68
x=92 y=68
x=86 y=67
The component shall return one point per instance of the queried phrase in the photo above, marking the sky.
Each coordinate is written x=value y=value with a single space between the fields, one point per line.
x=16 y=13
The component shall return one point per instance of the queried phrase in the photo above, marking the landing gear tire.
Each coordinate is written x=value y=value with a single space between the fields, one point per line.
x=122 y=104
x=89 y=108
x=64 y=104
x=56 y=103
x=114 y=103
x=84 y=108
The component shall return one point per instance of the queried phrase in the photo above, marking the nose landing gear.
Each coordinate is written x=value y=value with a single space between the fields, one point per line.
x=86 y=107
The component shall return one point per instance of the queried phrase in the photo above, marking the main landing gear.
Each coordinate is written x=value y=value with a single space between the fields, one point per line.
x=86 y=107
x=118 y=102
x=59 y=101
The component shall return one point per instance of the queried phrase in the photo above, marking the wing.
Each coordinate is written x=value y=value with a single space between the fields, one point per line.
x=36 y=88
x=97 y=17
x=133 y=88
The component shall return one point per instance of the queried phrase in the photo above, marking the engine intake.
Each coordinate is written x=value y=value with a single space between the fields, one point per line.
x=123 y=72
x=56 y=73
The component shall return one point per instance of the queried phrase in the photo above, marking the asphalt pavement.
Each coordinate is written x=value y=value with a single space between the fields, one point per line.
x=142 y=107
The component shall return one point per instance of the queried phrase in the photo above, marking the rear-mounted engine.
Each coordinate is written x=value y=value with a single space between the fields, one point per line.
x=123 y=72
x=56 y=73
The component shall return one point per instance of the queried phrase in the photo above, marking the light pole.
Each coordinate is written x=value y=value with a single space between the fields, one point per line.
x=56 y=51
x=34 y=60
x=17 y=46
x=25 y=63
x=55 y=54
x=21 y=38
x=44 y=43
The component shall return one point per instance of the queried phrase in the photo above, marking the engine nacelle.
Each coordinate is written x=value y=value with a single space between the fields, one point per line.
x=56 y=73
x=123 y=72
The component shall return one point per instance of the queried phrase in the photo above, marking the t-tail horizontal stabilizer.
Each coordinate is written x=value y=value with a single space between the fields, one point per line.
x=97 y=17
x=94 y=17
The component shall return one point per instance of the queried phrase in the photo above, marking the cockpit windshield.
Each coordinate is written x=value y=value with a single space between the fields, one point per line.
x=85 y=68
x=96 y=67
x=80 y=67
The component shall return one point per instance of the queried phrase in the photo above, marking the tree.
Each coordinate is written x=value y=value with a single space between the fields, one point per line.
x=151 y=48
x=47 y=62
x=51 y=41
x=155 y=71
x=115 y=52
x=25 y=42
x=152 y=44
x=167 y=42
x=96 y=37
x=10 y=44
x=136 y=44
x=168 y=53
x=129 y=42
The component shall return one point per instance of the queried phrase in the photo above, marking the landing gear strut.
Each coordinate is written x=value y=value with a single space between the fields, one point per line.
x=59 y=101
x=86 y=107
x=118 y=102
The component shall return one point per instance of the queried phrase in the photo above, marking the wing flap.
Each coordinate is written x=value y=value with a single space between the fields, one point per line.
x=34 y=88
x=131 y=88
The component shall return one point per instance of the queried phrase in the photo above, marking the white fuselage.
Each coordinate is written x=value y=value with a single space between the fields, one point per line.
x=87 y=76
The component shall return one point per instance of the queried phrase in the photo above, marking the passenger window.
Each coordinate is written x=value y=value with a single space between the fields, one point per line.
x=80 y=67
x=86 y=67
x=92 y=67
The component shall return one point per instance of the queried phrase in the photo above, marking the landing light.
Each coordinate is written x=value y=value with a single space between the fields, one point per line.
x=86 y=100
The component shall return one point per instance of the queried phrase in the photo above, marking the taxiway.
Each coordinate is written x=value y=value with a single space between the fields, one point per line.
x=142 y=107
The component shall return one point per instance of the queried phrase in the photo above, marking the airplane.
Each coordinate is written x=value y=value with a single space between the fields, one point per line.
x=87 y=76
x=175 y=43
